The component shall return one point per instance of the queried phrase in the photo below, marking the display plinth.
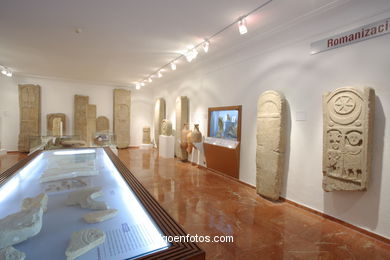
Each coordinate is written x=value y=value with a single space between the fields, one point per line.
x=222 y=156
x=166 y=148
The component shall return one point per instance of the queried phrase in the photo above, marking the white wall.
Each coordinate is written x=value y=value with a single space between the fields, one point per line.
x=279 y=59
x=57 y=96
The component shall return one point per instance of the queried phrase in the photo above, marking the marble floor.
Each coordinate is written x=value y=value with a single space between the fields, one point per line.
x=205 y=203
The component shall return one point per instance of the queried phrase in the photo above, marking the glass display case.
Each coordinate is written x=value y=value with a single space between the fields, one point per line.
x=137 y=230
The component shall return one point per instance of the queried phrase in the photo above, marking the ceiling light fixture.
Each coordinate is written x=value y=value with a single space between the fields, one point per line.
x=137 y=86
x=150 y=79
x=173 y=65
x=142 y=84
x=192 y=52
x=242 y=26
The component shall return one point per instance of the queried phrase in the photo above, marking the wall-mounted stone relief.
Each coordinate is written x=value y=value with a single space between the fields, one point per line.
x=56 y=124
x=271 y=125
x=80 y=117
x=159 y=115
x=182 y=118
x=102 y=124
x=122 y=103
x=30 y=114
x=348 y=115
x=166 y=127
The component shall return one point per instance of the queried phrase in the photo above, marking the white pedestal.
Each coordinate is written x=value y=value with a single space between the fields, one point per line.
x=145 y=146
x=3 y=152
x=166 y=146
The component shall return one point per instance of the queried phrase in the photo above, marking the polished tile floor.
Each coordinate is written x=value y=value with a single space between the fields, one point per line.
x=205 y=203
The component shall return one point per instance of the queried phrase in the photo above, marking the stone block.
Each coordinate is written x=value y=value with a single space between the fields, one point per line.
x=122 y=103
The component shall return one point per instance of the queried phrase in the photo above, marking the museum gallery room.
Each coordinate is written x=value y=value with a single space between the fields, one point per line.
x=194 y=129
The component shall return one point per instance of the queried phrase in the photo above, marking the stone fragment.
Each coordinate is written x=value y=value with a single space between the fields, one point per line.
x=122 y=100
x=99 y=216
x=86 y=198
x=20 y=226
x=184 y=142
x=53 y=126
x=146 y=135
x=166 y=127
x=83 y=241
x=271 y=125
x=159 y=115
x=30 y=115
x=38 y=201
x=10 y=253
x=348 y=115
x=182 y=117
x=80 y=117
x=102 y=124
x=91 y=124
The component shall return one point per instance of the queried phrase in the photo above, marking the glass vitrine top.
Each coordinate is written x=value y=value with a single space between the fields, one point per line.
x=131 y=233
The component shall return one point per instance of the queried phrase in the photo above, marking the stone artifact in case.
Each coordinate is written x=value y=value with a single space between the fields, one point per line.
x=347 y=134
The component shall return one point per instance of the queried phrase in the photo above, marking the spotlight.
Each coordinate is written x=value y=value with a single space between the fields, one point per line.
x=242 y=26
x=137 y=86
x=205 y=46
x=150 y=79
x=159 y=75
x=173 y=65
x=9 y=74
x=142 y=84
x=4 y=72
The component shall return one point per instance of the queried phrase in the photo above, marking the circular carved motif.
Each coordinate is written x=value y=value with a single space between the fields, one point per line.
x=344 y=105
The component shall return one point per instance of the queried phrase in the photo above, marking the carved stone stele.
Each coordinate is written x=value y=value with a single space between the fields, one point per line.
x=159 y=115
x=102 y=124
x=83 y=241
x=271 y=125
x=146 y=135
x=99 y=216
x=86 y=198
x=52 y=123
x=10 y=253
x=91 y=123
x=80 y=117
x=182 y=117
x=166 y=127
x=347 y=134
x=122 y=102
x=20 y=226
x=30 y=115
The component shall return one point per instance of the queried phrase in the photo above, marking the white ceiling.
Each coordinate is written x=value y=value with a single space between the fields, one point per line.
x=122 y=41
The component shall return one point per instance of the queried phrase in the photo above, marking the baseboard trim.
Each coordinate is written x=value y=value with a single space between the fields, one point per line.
x=313 y=211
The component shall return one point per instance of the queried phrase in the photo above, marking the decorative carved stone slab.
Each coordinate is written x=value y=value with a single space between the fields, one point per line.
x=20 y=226
x=91 y=123
x=38 y=201
x=80 y=116
x=52 y=128
x=122 y=99
x=30 y=115
x=159 y=115
x=348 y=124
x=99 y=216
x=86 y=198
x=10 y=253
x=166 y=127
x=102 y=124
x=271 y=125
x=83 y=241
x=182 y=117
x=146 y=135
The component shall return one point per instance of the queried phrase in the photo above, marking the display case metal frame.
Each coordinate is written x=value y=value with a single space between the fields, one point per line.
x=177 y=250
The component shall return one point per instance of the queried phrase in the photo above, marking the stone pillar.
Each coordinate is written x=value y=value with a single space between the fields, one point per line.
x=347 y=135
x=30 y=114
x=182 y=118
x=159 y=115
x=91 y=123
x=271 y=133
x=80 y=117
x=122 y=101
